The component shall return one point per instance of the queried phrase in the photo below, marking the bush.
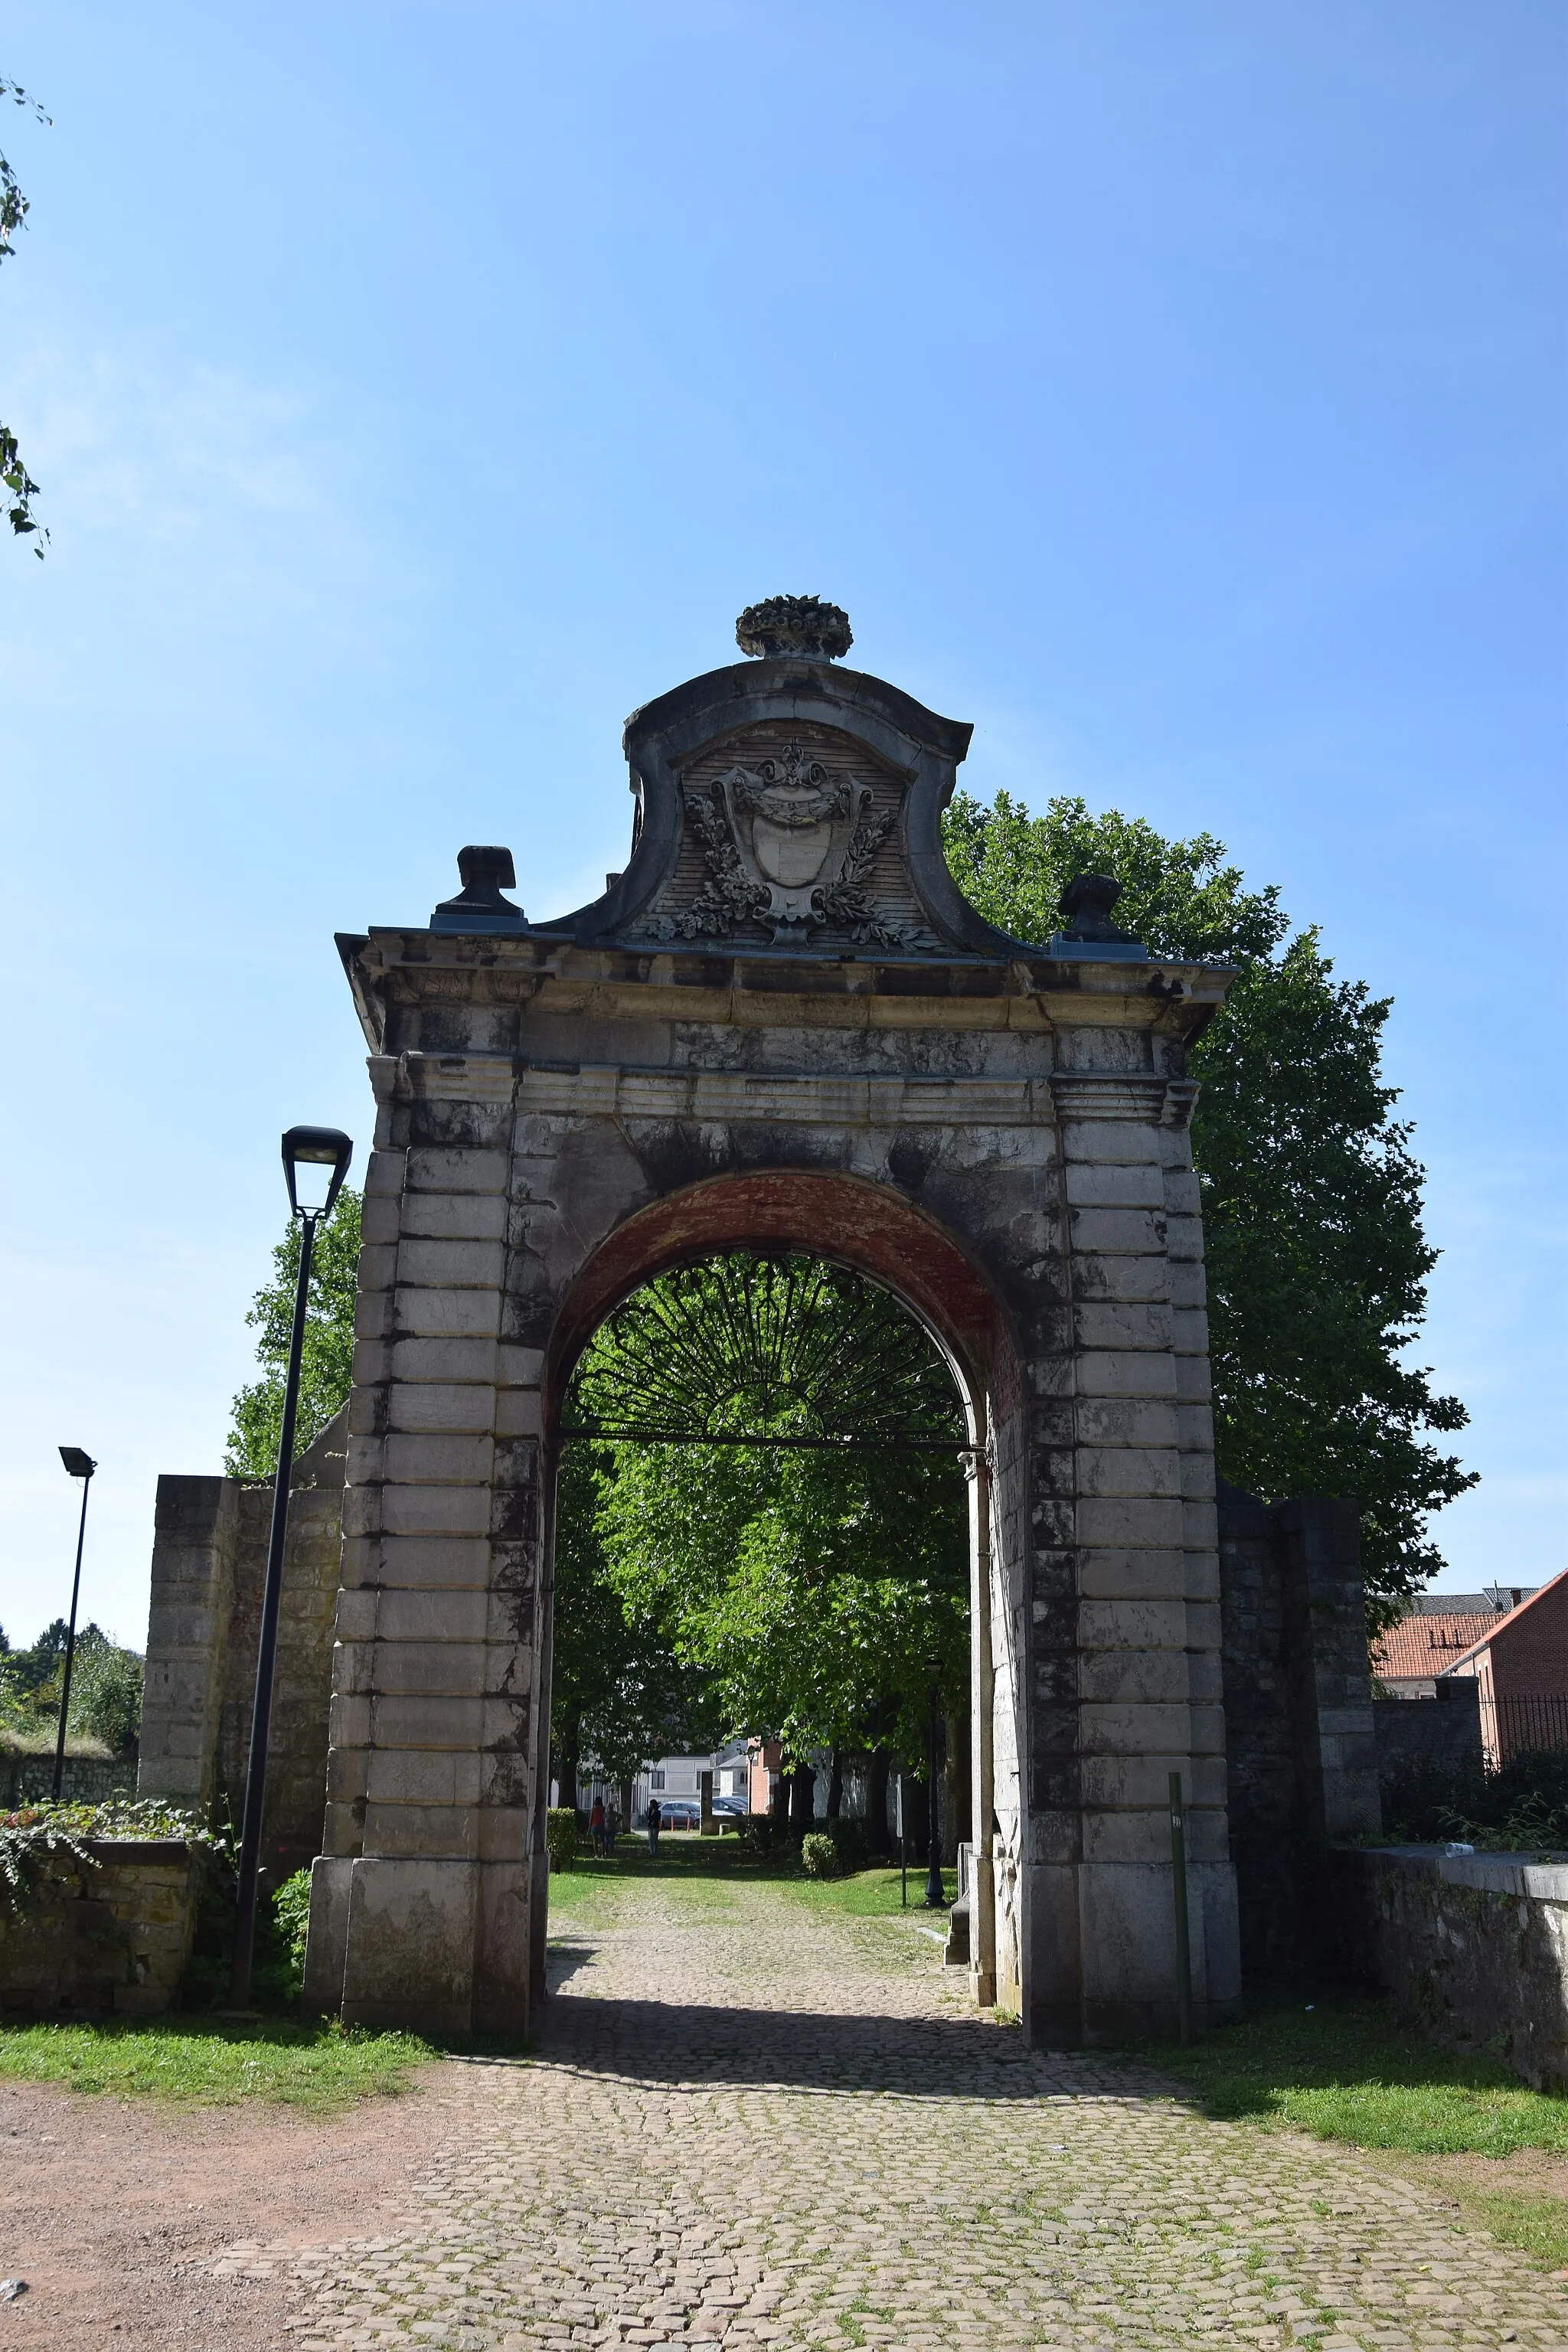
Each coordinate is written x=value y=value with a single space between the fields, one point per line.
x=106 y=1695
x=819 y=1855
x=764 y=1836
x=560 y=1836
x=848 y=1837
x=1522 y=1805
x=291 y=1915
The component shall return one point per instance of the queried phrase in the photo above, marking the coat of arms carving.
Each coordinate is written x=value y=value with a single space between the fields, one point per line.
x=789 y=845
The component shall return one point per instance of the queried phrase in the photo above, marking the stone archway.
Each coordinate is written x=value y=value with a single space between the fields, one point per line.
x=780 y=1023
x=876 y=1231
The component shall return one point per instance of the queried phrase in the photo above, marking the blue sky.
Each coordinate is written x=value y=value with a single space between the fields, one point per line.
x=1176 y=391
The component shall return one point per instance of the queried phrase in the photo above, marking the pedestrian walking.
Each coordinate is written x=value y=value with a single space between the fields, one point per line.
x=596 y=1826
x=655 y=1824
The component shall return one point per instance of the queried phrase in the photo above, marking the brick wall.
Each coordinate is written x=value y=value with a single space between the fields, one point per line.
x=1529 y=1649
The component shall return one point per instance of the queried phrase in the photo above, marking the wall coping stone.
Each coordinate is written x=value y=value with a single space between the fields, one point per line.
x=1489 y=1873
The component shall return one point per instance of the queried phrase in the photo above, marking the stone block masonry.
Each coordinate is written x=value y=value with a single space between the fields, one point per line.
x=209 y=1561
x=713 y=1057
x=1473 y=1947
x=105 y=1937
x=996 y=1132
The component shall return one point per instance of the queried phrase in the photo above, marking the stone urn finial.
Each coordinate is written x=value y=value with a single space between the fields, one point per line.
x=1087 y=903
x=803 y=626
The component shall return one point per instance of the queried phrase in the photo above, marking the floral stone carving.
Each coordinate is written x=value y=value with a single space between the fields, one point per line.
x=795 y=624
x=790 y=846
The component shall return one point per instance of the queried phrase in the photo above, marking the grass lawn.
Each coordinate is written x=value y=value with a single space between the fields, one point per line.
x=1345 y=2070
x=214 y=2061
x=699 y=1872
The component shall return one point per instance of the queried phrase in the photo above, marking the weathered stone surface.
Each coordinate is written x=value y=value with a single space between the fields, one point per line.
x=1473 y=1947
x=107 y=1936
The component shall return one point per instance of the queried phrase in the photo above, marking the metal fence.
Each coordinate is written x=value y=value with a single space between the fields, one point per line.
x=1511 y=1726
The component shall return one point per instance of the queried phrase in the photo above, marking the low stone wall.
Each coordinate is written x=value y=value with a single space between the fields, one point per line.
x=86 y=1781
x=108 y=1937
x=1473 y=1947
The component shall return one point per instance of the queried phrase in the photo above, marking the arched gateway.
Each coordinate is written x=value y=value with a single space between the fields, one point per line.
x=782 y=1025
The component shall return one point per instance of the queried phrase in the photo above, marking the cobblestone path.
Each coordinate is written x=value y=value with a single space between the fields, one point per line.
x=753 y=2123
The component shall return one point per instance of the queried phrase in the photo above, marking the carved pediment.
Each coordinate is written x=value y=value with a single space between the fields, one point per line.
x=791 y=834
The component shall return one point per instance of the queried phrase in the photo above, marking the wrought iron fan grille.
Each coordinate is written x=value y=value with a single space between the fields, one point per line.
x=749 y=1351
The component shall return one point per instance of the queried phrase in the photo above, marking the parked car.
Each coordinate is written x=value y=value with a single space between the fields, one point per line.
x=731 y=1808
x=679 y=1814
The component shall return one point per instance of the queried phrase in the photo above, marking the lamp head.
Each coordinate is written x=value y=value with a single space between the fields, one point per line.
x=315 y=1161
x=78 y=1464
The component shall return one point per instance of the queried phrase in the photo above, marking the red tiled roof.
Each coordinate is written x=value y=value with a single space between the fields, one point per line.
x=1489 y=1626
x=1424 y=1646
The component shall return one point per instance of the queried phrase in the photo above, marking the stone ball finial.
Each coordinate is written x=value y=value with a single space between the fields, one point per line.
x=795 y=624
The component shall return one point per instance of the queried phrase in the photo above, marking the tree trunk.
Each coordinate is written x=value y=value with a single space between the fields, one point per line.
x=567 y=1761
x=878 y=1842
x=956 y=1805
x=628 y=1790
x=803 y=1801
x=836 y=1786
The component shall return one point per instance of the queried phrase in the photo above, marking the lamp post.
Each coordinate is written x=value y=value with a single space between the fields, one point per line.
x=315 y=1161
x=936 y=1895
x=78 y=1465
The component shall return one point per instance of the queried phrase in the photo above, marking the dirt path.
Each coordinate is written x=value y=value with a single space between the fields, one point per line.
x=109 y=2207
x=753 y=2122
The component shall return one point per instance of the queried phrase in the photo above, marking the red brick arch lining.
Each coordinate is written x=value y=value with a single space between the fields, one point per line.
x=841 y=1218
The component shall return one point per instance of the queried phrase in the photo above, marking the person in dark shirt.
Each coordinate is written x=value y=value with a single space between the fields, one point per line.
x=655 y=1824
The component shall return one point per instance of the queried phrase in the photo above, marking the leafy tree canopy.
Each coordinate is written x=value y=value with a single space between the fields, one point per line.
x=807 y=1586
x=619 y=1692
x=1311 y=1198
x=326 y=1363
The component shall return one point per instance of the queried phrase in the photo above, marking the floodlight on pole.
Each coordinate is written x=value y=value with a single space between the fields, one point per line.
x=78 y=1465
x=315 y=1161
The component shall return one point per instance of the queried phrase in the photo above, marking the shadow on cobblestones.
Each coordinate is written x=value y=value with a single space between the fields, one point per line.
x=778 y=2127
x=934 y=2057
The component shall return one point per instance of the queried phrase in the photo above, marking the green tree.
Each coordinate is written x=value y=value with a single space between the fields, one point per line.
x=619 y=1693
x=326 y=1364
x=1311 y=1198
x=810 y=1584
x=14 y=209
x=106 y=1692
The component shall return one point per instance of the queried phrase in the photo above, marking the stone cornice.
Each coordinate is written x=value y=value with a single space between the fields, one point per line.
x=752 y=988
x=608 y=1090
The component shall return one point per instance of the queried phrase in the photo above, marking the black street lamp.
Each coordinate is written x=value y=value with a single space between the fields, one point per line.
x=315 y=1161
x=78 y=1465
x=936 y=1895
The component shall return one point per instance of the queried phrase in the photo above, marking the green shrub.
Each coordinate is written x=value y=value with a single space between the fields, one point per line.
x=560 y=1836
x=1522 y=1805
x=819 y=1855
x=848 y=1843
x=764 y=1836
x=291 y=1915
x=106 y=1694
x=30 y=1836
